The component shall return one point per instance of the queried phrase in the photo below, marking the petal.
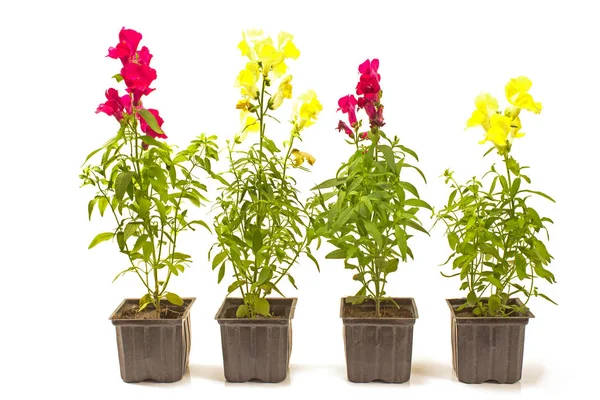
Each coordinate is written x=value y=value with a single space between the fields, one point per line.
x=477 y=118
x=283 y=38
x=291 y=51
x=375 y=65
x=245 y=49
x=364 y=67
x=131 y=37
x=486 y=103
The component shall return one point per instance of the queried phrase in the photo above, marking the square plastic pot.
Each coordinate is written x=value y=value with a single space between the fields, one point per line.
x=256 y=349
x=379 y=349
x=487 y=349
x=156 y=350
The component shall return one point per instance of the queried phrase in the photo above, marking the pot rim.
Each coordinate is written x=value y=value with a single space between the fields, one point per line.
x=406 y=301
x=293 y=300
x=458 y=301
x=169 y=321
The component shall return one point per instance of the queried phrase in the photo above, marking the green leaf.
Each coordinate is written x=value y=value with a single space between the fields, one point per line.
x=336 y=254
x=118 y=77
x=452 y=240
x=373 y=232
x=314 y=260
x=107 y=144
x=414 y=225
x=262 y=307
x=120 y=241
x=121 y=183
x=471 y=299
x=150 y=141
x=144 y=206
x=147 y=249
x=388 y=154
x=235 y=285
x=520 y=266
x=101 y=237
x=242 y=311
x=138 y=243
x=515 y=187
x=329 y=183
x=102 y=204
x=180 y=256
x=544 y=273
x=219 y=258
x=409 y=151
x=174 y=299
x=173 y=269
x=494 y=281
x=292 y=281
x=401 y=240
x=130 y=229
x=91 y=205
x=150 y=120
x=417 y=203
x=144 y=301
x=494 y=303
x=257 y=240
x=392 y=266
x=355 y=299
x=546 y=297
x=539 y=194
x=265 y=275
x=221 y=273
x=201 y=223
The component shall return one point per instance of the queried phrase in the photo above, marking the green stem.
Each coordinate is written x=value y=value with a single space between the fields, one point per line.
x=260 y=206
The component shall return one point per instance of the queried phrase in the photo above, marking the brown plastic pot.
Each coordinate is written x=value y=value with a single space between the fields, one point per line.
x=256 y=349
x=157 y=349
x=487 y=349
x=379 y=349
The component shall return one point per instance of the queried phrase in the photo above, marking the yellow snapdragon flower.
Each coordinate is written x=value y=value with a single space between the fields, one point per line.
x=298 y=158
x=284 y=92
x=517 y=94
x=247 y=79
x=498 y=131
x=501 y=128
x=262 y=49
x=486 y=105
x=306 y=110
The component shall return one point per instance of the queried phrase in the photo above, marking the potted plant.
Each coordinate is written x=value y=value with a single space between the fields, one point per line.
x=368 y=211
x=262 y=225
x=147 y=189
x=497 y=250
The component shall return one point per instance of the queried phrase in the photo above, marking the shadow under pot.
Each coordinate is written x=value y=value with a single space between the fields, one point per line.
x=379 y=348
x=256 y=349
x=153 y=349
x=487 y=349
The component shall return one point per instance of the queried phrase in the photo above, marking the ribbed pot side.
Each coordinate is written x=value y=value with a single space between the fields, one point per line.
x=156 y=350
x=379 y=349
x=487 y=349
x=256 y=349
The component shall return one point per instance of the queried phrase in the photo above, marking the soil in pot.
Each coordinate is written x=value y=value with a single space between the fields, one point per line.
x=152 y=349
x=167 y=311
x=368 y=311
x=487 y=349
x=379 y=348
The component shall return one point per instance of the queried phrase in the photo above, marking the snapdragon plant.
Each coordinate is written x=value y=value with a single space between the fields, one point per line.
x=262 y=225
x=369 y=210
x=493 y=231
x=144 y=185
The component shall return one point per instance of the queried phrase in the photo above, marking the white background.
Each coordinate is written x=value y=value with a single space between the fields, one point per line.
x=435 y=58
